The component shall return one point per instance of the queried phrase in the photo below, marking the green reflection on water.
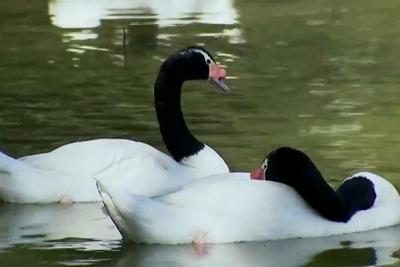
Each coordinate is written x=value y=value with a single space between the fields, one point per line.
x=315 y=74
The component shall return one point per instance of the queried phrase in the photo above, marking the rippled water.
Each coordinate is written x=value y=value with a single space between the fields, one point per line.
x=315 y=74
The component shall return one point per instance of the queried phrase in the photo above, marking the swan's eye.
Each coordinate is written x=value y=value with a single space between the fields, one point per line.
x=208 y=61
x=264 y=165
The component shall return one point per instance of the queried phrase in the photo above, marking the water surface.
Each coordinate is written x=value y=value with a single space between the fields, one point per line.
x=318 y=75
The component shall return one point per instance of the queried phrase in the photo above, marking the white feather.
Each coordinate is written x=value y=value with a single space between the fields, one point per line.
x=68 y=172
x=232 y=208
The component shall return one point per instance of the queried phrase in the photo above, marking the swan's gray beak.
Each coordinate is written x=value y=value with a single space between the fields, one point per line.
x=217 y=77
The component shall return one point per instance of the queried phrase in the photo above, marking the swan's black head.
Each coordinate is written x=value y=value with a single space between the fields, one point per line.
x=195 y=63
x=286 y=165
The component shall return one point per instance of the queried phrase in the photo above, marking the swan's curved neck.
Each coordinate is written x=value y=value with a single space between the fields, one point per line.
x=295 y=169
x=353 y=195
x=321 y=197
x=167 y=93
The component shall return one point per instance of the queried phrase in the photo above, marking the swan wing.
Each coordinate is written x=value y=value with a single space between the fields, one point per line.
x=88 y=157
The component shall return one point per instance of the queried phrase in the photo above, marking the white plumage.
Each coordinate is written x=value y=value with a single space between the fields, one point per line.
x=232 y=208
x=66 y=174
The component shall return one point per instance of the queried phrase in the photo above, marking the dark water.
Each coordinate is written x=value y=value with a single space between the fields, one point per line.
x=319 y=75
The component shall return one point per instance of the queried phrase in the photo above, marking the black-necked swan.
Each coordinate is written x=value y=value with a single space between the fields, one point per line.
x=233 y=207
x=66 y=173
x=295 y=169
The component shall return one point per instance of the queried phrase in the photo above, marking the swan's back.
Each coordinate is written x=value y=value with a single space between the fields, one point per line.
x=205 y=163
x=88 y=157
x=243 y=210
x=387 y=194
x=94 y=156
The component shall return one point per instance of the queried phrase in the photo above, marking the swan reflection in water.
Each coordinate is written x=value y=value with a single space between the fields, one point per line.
x=85 y=227
x=87 y=14
x=359 y=249
x=39 y=224
x=142 y=25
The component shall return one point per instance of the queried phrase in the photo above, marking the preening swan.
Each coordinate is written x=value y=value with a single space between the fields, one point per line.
x=66 y=173
x=295 y=169
x=293 y=201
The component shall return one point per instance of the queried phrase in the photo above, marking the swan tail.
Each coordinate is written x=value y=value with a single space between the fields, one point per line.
x=111 y=209
x=8 y=173
x=7 y=164
x=140 y=218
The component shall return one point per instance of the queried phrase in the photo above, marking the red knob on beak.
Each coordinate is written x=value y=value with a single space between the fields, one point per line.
x=257 y=174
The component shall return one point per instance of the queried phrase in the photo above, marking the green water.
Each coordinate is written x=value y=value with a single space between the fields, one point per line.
x=318 y=75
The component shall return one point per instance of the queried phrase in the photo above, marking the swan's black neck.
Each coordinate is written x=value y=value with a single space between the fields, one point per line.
x=299 y=172
x=167 y=92
x=313 y=188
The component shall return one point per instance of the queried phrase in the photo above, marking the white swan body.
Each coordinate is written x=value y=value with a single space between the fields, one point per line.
x=92 y=157
x=153 y=174
x=66 y=173
x=232 y=208
x=22 y=183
